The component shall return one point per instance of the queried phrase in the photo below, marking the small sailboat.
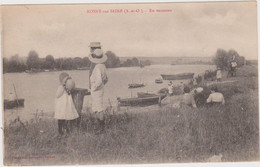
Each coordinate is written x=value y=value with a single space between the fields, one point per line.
x=13 y=101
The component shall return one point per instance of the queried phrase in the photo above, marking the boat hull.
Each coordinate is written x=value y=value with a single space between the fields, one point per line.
x=135 y=85
x=178 y=76
x=13 y=104
x=141 y=101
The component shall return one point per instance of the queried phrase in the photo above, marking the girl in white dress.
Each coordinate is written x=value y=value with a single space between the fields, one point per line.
x=65 y=110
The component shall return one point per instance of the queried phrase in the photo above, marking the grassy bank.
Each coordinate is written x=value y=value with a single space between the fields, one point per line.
x=164 y=135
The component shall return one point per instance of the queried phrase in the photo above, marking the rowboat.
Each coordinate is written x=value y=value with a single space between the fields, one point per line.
x=136 y=85
x=158 y=81
x=178 y=76
x=143 y=94
x=9 y=104
x=141 y=101
x=34 y=70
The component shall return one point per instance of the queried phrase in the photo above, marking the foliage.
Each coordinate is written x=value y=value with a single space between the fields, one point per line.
x=131 y=62
x=223 y=58
x=33 y=60
x=145 y=62
x=112 y=60
x=210 y=74
x=49 y=62
x=15 y=63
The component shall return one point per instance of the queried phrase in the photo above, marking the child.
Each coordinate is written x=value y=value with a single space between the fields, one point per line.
x=215 y=97
x=170 y=88
x=65 y=110
x=219 y=75
x=188 y=99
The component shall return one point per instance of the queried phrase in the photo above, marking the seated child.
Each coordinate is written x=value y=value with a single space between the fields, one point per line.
x=215 y=96
x=188 y=99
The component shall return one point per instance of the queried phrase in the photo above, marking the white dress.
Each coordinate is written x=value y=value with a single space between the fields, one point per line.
x=64 y=107
x=219 y=75
x=97 y=79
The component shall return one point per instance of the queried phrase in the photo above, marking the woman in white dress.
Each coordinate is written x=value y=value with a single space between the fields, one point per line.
x=65 y=110
x=98 y=79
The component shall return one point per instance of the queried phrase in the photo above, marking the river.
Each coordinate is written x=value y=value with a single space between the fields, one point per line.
x=39 y=89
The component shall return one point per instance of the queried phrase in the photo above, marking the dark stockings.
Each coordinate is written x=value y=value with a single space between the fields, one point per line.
x=62 y=126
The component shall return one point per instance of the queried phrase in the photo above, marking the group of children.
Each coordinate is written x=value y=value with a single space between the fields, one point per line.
x=188 y=96
x=188 y=99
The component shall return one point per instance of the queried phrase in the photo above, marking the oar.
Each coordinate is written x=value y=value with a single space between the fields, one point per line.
x=16 y=95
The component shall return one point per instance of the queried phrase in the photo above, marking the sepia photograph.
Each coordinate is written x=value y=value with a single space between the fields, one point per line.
x=129 y=83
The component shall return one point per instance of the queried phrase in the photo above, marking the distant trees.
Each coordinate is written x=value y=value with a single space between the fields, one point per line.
x=145 y=62
x=33 y=62
x=112 y=60
x=49 y=62
x=223 y=58
x=14 y=64
x=134 y=62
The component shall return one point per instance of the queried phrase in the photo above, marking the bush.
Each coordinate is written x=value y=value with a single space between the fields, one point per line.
x=210 y=75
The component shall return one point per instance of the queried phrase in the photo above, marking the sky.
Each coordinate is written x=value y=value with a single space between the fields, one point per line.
x=190 y=29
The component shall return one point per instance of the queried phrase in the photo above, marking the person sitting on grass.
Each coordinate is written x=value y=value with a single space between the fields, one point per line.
x=215 y=97
x=188 y=99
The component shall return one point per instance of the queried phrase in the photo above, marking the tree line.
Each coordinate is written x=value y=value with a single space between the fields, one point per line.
x=32 y=62
x=223 y=58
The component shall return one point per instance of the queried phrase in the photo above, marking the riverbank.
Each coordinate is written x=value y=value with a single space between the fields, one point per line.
x=160 y=135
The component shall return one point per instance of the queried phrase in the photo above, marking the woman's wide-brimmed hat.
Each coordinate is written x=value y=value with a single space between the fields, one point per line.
x=95 y=44
x=98 y=56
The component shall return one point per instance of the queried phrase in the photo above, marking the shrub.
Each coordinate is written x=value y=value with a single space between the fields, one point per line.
x=210 y=75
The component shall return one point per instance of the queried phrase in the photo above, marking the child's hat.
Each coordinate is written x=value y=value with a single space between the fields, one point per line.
x=63 y=76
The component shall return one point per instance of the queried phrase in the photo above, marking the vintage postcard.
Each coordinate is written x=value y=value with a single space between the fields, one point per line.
x=147 y=83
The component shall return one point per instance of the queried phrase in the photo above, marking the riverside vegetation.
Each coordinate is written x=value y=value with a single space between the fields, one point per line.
x=164 y=135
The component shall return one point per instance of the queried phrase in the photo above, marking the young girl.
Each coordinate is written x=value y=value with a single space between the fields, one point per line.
x=64 y=107
x=219 y=75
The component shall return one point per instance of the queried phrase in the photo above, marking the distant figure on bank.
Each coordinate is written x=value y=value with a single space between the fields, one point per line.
x=188 y=99
x=65 y=111
x=233 y=66
x=98 y=79
x=170 y=88
x=219 y=74
x=215 y=97
x=11 y=96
